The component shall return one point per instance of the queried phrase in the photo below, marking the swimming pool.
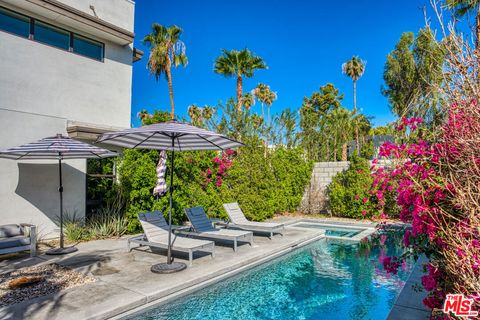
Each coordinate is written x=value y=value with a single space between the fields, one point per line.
x=328 y=279
x=331 y=231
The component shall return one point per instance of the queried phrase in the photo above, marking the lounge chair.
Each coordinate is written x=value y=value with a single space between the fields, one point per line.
x=202 y=227
x=238 y=220
x=156 y=235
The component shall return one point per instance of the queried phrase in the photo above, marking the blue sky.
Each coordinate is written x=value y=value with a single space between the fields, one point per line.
x=304 y=44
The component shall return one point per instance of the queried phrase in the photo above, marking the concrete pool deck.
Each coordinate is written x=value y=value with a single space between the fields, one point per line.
x=125 y=283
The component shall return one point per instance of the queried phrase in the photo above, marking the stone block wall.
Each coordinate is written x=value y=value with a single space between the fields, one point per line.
x=315 y=198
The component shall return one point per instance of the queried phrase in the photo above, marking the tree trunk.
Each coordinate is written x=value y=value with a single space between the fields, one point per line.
x=357 y=142
x=334 y=148
x=239 y=93
x=344 y=152
x=265 y=131
x=168 y=71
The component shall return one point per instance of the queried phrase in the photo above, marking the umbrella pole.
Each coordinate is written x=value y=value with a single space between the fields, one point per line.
x=169 y=250
x=60 y=191
x=62 y=249
x=169 y=266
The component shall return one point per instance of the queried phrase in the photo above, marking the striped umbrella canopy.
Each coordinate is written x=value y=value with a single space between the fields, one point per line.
x=173 y=136
x=59 y=147
x=55 y=148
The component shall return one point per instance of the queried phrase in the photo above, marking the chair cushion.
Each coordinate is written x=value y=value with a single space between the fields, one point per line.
x=10 y=230
x=11 y=242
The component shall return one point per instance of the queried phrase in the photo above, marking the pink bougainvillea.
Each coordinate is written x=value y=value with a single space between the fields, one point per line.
x=433 y=189
x=219 y=169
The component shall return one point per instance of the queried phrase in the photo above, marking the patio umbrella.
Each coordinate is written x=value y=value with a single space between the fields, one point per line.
x=173 y=136
x=59 y=148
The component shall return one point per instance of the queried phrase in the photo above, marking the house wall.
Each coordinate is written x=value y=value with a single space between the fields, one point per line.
x=41 y=88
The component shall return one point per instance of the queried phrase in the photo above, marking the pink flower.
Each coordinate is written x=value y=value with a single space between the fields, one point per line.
x=391 y=264
x=365 y=200
x=475 y=243
x=406 y=238
x=429 y=282
x=383 y=238
x=460 y=252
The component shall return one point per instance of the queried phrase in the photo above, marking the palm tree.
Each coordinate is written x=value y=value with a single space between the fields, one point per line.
x=340 y=121
x=266 y=96
x=354 y=68
x=166 y=50
x=195 y=113
x=462 y=8
x=238 y=64
x=288 y=120
x=143 y=115
x=248 y=100
x=200 y=115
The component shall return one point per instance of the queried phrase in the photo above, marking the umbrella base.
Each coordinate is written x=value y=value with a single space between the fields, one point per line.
x=168 y=268
x=60 y=251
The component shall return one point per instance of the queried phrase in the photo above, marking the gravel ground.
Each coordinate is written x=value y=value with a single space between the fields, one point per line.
x=56 y=278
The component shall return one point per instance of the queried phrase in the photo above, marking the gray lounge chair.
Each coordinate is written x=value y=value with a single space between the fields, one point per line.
x=156 y=235
x=203 y=228
x=238 y=220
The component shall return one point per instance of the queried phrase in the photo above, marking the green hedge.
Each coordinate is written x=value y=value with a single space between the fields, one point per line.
x=261 y=185
x=349 y=191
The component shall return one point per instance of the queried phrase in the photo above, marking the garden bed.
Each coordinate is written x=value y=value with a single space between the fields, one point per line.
x=37 y=281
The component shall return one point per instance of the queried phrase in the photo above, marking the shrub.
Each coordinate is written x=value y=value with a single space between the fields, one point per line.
x=138 y=177
x=261 y=185
x=76 y=231
x=349 y=190
x=107 y=223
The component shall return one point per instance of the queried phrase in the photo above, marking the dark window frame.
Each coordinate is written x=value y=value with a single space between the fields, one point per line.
x=89 y=39
x=71 y=34
x=20 y=14
x=35 y=21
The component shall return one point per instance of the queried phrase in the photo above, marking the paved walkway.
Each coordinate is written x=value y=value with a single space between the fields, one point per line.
x=409 y=305
x=124 y=281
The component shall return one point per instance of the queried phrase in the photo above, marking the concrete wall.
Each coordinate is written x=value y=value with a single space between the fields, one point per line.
x=315 y=198
x=41 y=88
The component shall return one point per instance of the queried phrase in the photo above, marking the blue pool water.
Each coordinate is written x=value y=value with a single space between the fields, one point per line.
x=328 y=279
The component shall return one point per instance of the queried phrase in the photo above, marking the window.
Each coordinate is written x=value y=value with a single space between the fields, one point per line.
x=51 y=35
x=34 y=29
x=87 y=47
x=14 y=23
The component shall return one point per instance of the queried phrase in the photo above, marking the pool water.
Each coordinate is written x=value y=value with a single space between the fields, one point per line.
x=328 y=279
x=331 y=231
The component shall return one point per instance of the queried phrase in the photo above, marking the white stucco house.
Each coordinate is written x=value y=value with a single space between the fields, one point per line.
x=65 y=67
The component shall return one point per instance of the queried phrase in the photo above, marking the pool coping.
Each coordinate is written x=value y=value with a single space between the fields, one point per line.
x=366 y=230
